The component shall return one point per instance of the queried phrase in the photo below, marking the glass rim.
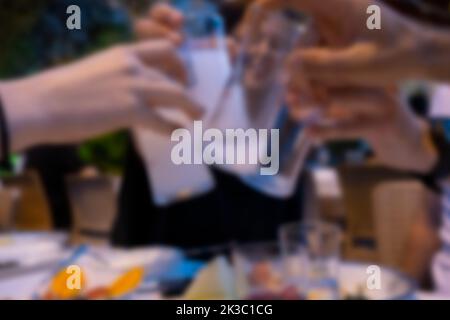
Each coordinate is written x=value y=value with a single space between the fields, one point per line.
x=253 y=244
x=294 y=16
x=296 y=24
x=299 y=226
x=256 y=249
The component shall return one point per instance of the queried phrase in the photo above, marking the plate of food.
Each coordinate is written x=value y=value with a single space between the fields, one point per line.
x=219 y=280
x=24 y=249
x=111 y=273
x=372 y=282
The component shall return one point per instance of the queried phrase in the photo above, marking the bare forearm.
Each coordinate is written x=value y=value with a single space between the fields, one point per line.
x=23 y=118
x=434 y=55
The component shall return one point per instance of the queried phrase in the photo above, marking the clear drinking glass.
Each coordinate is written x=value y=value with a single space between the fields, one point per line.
x=206 y=59
x=257 y=88
x=205 y=53
x=311 y=252
x=258 y=273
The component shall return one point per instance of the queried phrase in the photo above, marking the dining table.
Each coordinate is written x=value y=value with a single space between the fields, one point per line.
x=28 y=269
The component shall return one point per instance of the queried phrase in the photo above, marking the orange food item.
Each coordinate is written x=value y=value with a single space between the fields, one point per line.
x=98 y=293
x=126 y=283
x=261 y=273
x=47 y=296
x=66 y=284
x=264 y=276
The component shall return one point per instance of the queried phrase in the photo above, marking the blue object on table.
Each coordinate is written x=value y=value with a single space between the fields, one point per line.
x=186 y=269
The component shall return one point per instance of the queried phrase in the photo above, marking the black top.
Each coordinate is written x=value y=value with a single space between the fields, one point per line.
x=4 y=138
x=435 y=12
x=441 y=169
x=230 y=212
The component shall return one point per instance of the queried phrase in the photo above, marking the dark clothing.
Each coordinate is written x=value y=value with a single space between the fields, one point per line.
x=4 y=138
x=435 y=12
x=441 y=169
x=232 y=211
x=54 y=163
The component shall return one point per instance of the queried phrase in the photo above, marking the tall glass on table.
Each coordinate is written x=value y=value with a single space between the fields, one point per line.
x=258 y=273
x=311 y=255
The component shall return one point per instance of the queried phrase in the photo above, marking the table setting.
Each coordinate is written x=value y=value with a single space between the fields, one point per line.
x=287 y=270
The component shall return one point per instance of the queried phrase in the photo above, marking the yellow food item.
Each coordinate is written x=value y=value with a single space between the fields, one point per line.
x=66 y=284
x=214 y=282
x=127 y=282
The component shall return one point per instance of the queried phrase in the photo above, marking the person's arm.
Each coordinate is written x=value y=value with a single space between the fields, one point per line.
x=111 y=90
x=399 y=139
x=105 y=92
x=434 y=54
x=352 y=55
x=23 y=119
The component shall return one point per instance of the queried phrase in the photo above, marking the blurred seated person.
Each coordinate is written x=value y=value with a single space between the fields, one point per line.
x=232 y=211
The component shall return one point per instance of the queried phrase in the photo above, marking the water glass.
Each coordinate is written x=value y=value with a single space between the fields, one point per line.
x=311 y=252
x=258 y=86
x=206 y=60
x=258 y=272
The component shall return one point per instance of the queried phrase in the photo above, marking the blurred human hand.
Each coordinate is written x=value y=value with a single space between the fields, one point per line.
x=351 y=54
x=340 y=75
x=398 y=138
x=162 y=22
x=346 y=52
x=342 y=22
x=115 y=89
x=166 y=22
